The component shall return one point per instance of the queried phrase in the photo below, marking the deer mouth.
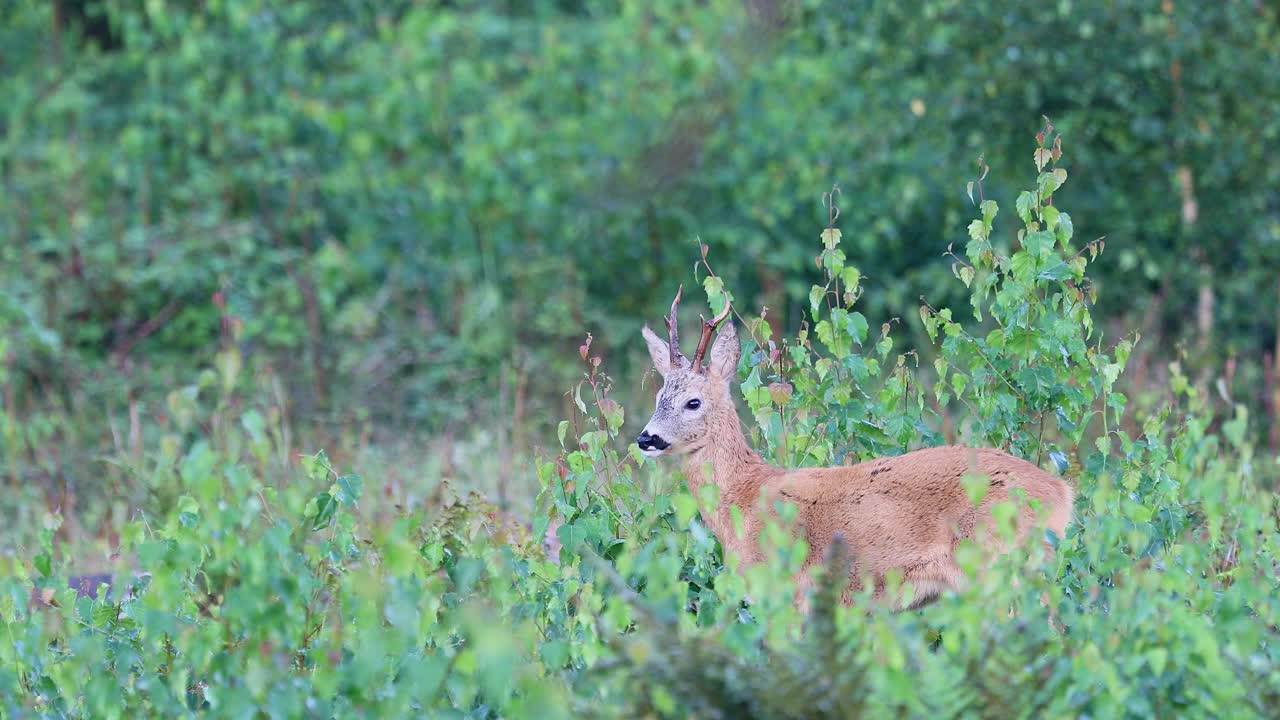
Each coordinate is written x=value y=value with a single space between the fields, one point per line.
x=651 y=445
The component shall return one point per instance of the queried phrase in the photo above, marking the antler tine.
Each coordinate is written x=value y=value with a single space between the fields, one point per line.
x=707 y=329
x=673 y=331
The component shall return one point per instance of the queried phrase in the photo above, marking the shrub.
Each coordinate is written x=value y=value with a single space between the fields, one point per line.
x=289 y=599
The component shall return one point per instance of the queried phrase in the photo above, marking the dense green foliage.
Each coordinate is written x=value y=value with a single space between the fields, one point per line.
x=409 y=210
x=234 y=232
x=305 y=592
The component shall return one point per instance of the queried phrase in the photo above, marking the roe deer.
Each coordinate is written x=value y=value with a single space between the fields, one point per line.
x=906 y=513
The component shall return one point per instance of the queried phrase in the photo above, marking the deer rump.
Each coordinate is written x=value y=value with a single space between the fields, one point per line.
x=909 y=513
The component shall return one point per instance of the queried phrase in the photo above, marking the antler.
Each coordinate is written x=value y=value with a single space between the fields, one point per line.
x=707 y=329
x=673 y=332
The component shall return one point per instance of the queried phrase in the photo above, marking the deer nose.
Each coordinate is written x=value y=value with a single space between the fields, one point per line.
x=651 y=442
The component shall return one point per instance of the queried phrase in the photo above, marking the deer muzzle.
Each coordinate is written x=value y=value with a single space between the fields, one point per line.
x=651 y=445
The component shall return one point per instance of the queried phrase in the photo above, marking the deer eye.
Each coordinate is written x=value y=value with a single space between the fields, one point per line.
x=693 y=404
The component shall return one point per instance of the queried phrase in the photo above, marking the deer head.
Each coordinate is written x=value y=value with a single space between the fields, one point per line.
x=694 y=393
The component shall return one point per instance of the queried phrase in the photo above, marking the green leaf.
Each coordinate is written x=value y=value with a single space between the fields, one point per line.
x=709 y=496
x=989 y=210
x=316 y=466
x=976 y=487
x=1103 y=443
x=714 y=288
x=686 y=507
x=825 y=333
x=735 y=513
x=1003 y=513
x=253 y=423
x=831 y=238
x=1055 y=272
x=884 y=345
x=1025 y=203
x=856 y=325
x=833 y=260
x=1023 y=266
x=320 y=509
x=613 y=412
x=1049 y=182
x=1039 y=243
x=433 y=554
x=1138 y=512
x=815 y=300
x=44 y=564
x=851 y=277
x=1051 y=216
x=1064 y=229
x=1020 y=340
x=188 y=512
x=555 y=654
x=349 y=489
x=756 y=398
x=1158 y=658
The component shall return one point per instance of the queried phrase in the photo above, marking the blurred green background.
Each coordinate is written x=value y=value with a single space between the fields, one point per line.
x=394 y=223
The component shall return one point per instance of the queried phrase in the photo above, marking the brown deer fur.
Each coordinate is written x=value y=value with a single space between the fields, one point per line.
x=906 y=513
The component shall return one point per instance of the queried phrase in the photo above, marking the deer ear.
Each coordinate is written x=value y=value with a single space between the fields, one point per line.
x=658 y=350
x=724 y=352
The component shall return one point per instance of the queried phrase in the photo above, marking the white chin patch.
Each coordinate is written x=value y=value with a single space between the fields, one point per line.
x=652 y=452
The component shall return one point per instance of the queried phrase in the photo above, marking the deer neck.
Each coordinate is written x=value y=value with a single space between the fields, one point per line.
x=735 y=468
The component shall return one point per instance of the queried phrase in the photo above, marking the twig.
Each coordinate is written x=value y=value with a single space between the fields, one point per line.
x=145 y=330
